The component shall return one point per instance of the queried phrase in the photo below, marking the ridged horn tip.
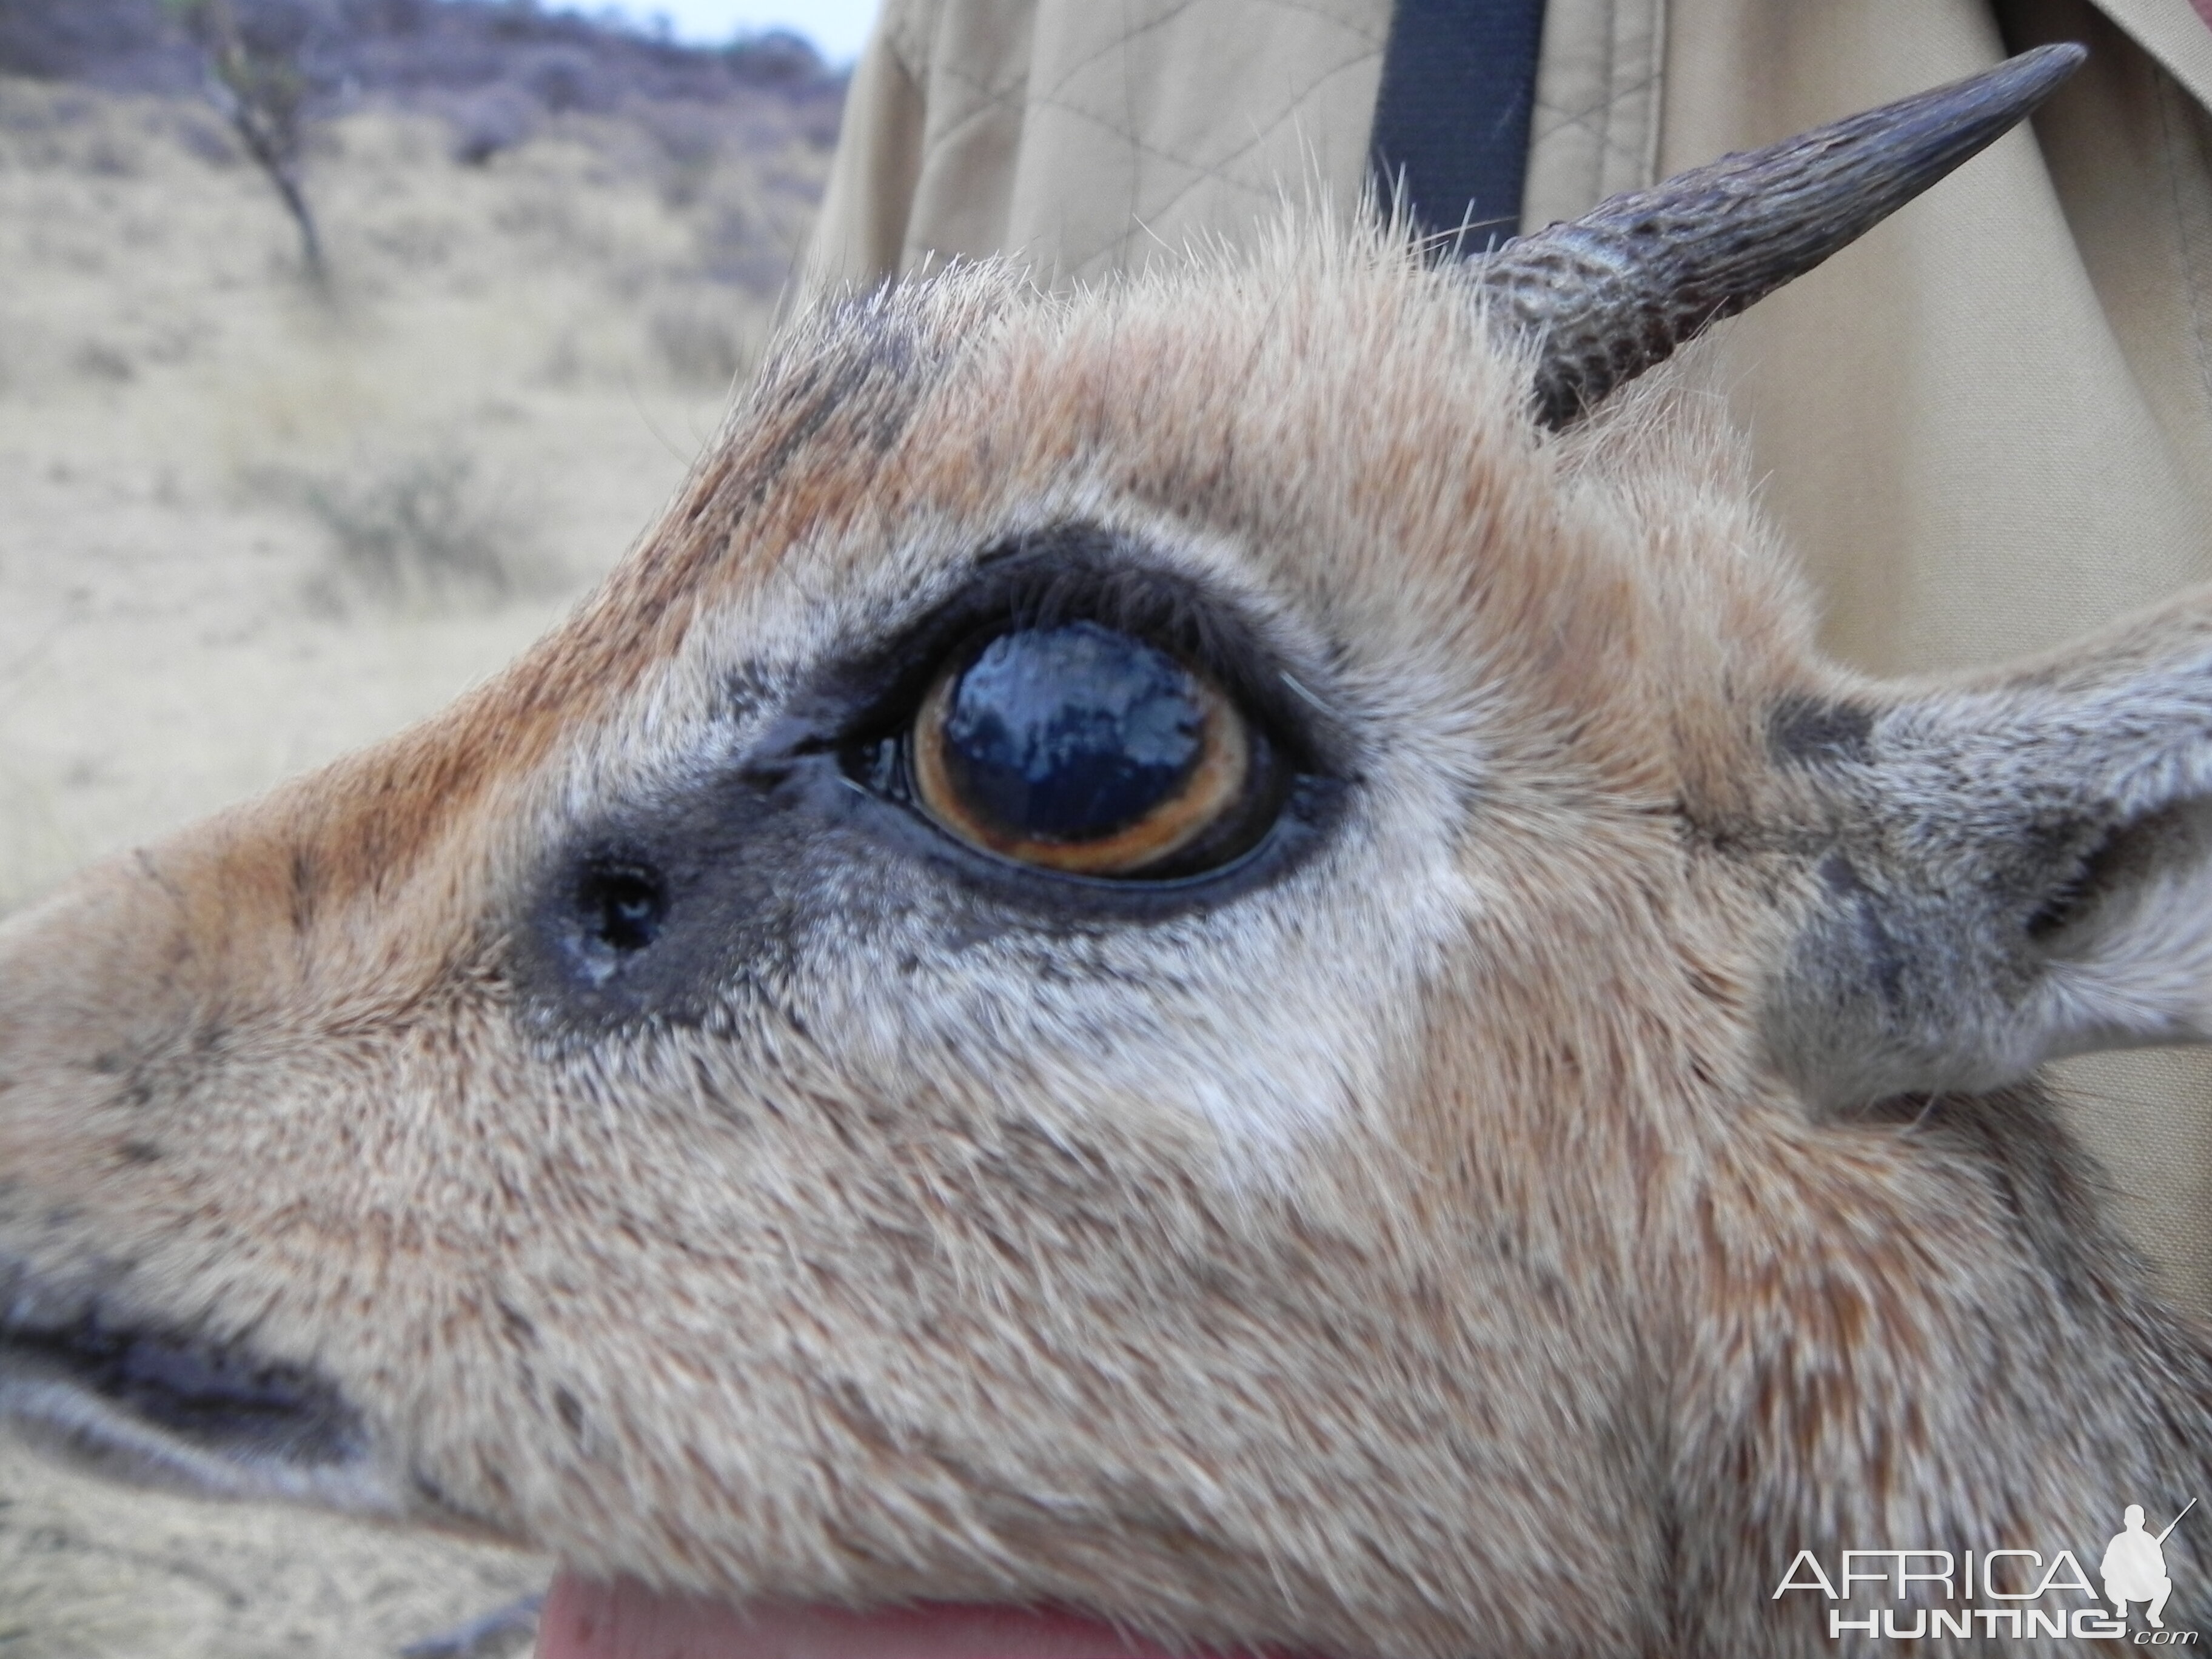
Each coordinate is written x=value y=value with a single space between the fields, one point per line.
x=1614 y=293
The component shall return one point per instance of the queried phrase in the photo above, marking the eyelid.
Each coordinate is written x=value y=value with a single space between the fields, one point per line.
x=1083 y=572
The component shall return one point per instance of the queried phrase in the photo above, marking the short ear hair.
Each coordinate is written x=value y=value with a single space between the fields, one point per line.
x=2006 y=871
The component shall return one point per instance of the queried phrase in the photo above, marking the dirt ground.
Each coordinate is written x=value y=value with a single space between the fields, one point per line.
x=248 y=527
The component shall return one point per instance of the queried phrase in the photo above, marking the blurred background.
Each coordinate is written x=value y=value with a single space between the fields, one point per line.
x=343 y=345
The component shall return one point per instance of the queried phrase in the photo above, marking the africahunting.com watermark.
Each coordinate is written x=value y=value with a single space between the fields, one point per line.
x=2009 y=1593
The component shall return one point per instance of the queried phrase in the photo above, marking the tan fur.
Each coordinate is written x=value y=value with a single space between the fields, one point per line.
x=1421 y=1255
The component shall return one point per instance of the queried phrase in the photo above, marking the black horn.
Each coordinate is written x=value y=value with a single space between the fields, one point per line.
x=1611 y=293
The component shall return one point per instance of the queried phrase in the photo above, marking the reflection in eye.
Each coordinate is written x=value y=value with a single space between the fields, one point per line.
x=1085 y=750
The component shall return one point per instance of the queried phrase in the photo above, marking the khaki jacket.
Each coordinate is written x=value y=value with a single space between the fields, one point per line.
x=1986 y=427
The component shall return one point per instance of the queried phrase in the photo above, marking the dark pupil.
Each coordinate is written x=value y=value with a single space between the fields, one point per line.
x=1072 y=733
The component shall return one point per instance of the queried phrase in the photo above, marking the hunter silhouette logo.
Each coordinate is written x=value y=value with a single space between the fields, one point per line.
x=2135 y=1565
x=2014 y=1593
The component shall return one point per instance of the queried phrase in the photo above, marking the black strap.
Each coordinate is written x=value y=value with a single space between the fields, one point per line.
x=1459 y=84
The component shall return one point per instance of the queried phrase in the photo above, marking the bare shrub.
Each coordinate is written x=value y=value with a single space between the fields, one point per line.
x=568 y=76
x=96 y=360
x=112 y=155
x=739 y=246
x=699 y=339
x=689 y=140
x=257 y=76
x=419 y=532
x=485 y=123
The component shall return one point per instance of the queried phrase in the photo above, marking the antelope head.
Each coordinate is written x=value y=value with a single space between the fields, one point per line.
x=1205 y=967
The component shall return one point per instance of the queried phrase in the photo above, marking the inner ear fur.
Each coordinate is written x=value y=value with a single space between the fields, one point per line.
x=2001 y=870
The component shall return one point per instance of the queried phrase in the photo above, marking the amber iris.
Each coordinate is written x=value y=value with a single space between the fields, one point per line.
x=1080 y=749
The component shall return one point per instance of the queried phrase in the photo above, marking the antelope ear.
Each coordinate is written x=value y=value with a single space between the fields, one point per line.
x=2005 y=871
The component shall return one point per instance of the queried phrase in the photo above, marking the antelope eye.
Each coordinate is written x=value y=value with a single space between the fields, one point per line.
x=1086 y=751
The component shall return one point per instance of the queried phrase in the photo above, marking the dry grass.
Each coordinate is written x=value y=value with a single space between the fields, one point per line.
x=249 y=528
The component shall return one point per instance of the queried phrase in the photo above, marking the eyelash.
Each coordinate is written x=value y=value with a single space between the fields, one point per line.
x=1082 y=574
